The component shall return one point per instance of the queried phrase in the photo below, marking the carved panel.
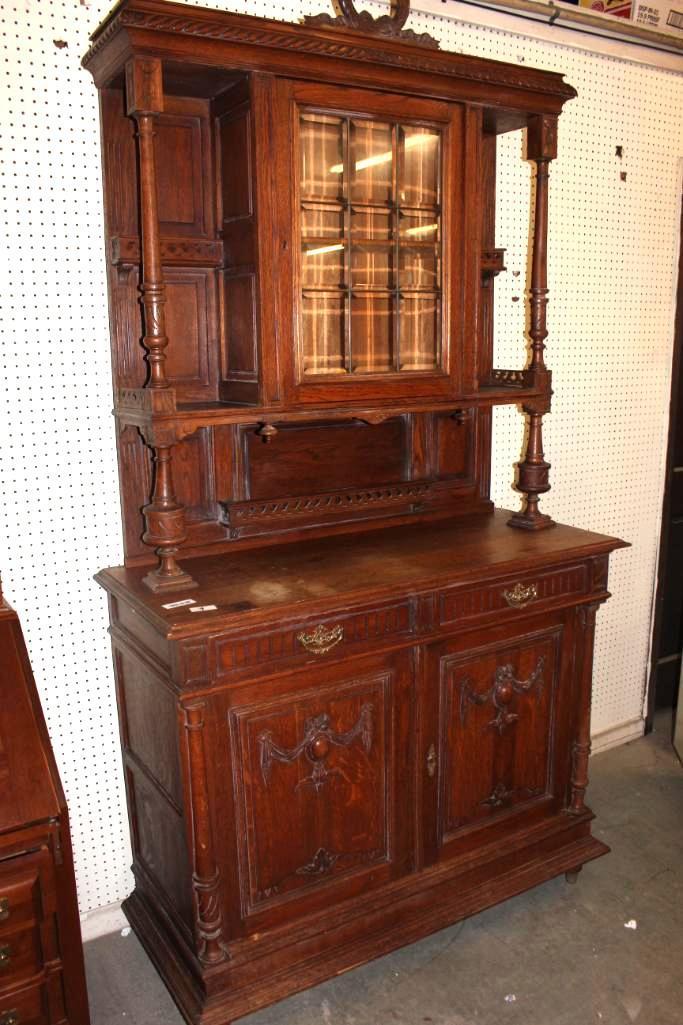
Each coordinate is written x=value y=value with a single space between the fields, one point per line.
x=496 y=730
x=501 y=694
x=312 y=773
x=317 y=744
x=248 y=518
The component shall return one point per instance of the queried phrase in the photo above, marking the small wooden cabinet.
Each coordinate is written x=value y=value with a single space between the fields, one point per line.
x=354 y=697
x=42 y=979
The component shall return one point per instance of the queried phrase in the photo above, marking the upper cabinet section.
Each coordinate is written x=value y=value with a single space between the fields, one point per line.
x=304 y=213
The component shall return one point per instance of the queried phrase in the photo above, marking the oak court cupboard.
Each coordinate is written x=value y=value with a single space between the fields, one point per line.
x=354 y=697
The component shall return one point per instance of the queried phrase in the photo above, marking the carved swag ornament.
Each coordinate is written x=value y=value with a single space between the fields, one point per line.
x=386 y=25
x=501 y=693
x=316 y=744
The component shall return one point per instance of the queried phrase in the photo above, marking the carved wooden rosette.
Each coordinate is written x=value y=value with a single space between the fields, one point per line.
x=581 y=747
x=533 y=479
x=205 y=876
x=164 y=516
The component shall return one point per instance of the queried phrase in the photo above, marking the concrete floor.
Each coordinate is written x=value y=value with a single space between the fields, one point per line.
x=559 y=955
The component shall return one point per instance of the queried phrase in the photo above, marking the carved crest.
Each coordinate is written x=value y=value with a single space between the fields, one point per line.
x=386 y=25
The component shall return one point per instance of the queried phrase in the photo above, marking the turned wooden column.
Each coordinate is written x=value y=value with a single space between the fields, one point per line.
x=533 y=470
x=164 y=516
x=205 y=876
x=581 y=747
x=164 y=519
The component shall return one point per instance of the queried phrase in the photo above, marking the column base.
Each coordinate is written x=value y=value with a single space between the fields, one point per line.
x=164 y=584
x=524 y=522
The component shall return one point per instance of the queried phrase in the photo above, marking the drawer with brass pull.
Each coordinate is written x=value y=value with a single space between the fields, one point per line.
x=323 y=637
x=22 y=895
x=21 y=956
x=528 y=592
x=31 y=1005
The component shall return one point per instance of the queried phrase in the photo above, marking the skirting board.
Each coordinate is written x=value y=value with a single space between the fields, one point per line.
x=103 y=921
x=615 y=735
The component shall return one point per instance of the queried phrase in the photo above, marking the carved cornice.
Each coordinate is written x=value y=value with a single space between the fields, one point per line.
x=248 y=31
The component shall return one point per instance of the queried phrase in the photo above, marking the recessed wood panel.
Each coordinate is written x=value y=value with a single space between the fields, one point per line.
x=181 y=174
x=454 y=446
x=158 y=836
x=496 y=731
x=149 y=724
x=190 y=326
x=240 y=327
x=234 y=132
x=314 y=459
x=192 y=470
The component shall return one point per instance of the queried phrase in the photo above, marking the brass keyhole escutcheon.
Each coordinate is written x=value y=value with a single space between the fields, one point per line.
x=10 y=1017
x=5 y=955
x=431 y=761
x=4 y=909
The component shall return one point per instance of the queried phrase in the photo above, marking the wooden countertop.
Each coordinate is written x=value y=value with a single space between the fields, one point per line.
x=333 y=571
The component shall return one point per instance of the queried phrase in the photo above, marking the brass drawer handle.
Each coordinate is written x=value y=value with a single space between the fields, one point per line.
x=520 y=595
x=322 y=640
x=5 y=956
x=431 y=762
x=10 y=1017
x=4 y=909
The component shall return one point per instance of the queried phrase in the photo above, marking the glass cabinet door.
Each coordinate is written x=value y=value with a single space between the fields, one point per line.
x=370 y=227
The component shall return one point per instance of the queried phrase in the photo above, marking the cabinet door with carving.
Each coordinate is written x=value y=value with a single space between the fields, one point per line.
x=320 y=760
x=495 y=744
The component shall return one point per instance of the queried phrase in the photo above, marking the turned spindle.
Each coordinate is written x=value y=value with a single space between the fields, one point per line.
x=165 y=526
x=533 y=470
x=164 y=516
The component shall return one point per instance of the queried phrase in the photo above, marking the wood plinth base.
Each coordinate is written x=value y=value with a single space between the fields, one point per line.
x=269 y=968
x=157 y=583
x=524 y=522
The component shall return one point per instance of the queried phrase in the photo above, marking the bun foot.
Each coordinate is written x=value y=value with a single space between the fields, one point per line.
x=572 y=876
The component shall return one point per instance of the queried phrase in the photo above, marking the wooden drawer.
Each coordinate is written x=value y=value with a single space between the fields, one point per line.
x=21 y=956
x=510 y=596
x=28 y=1006
x=26 y=892
x=322 y=637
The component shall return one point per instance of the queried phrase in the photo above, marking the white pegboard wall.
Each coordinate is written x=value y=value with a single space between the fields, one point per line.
x=613 y=252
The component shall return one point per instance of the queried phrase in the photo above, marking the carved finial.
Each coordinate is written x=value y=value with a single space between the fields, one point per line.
x=386 y=25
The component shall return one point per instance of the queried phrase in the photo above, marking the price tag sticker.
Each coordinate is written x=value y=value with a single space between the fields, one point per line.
x=204 y=608
x=179 y=604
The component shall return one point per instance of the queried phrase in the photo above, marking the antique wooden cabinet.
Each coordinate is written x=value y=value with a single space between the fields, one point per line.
x=42 y=978
x=354 y=697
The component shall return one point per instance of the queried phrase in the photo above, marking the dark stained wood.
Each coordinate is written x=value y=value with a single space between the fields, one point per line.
x=43 y=976
x=371 y=716
x=533 y=479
